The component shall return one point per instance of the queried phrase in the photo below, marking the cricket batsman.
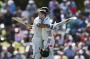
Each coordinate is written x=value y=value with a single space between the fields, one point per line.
x=43 y=40
x=40 y=40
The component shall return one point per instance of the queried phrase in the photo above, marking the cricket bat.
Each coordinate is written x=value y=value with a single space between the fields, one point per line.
x=21 y=21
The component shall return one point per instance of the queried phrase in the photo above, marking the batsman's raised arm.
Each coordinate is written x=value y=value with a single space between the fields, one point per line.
x=43 y=25
x=63 y=22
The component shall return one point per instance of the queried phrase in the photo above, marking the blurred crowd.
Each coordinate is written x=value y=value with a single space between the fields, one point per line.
x=72 y=40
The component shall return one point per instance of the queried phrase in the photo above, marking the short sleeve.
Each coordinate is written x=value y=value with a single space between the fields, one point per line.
x=47 y=21
x=36 y=21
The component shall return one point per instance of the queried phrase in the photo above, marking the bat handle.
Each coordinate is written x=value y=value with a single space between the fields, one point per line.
x=28 y=26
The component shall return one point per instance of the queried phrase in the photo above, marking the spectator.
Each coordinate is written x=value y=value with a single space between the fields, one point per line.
x=32 y=18
x=18 y=12
x=52 y=6
x=56 y=48
x=60 y=39
x=19 y=35
x=62 y=56
x=57 y=14
x=12 y=6
x=79 y=55
x=25 y=14
x=1 y=18
x=68 y=38
x=11 y=49
x=76 y=37
x=88 y=29
x=69 y=52
x=64 y=7
x=83 y=24
x=73 y=7
x=7 y=18
x=88 y=43
x=8 y=24
x=84 y=37
x=5 y=56
x=30 y=52
x=31 y=7
x=1 y=5
x=19 y=55
x=5 y=4
x=56 y=56
x=87 y=6
x=73 y=26
x=0 y=50
x=85 y=54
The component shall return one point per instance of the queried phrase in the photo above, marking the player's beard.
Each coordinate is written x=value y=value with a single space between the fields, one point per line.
x=41 y=18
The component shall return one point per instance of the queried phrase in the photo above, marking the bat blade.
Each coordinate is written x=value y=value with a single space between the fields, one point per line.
x=20 y=21
x=73 y=18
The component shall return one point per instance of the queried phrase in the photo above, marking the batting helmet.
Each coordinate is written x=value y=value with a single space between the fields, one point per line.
x=45 y=53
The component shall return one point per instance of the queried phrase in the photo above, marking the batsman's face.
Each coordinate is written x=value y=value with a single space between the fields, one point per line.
x=41 y=16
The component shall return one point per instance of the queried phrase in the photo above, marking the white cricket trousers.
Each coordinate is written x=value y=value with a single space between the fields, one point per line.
x=37 y=44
